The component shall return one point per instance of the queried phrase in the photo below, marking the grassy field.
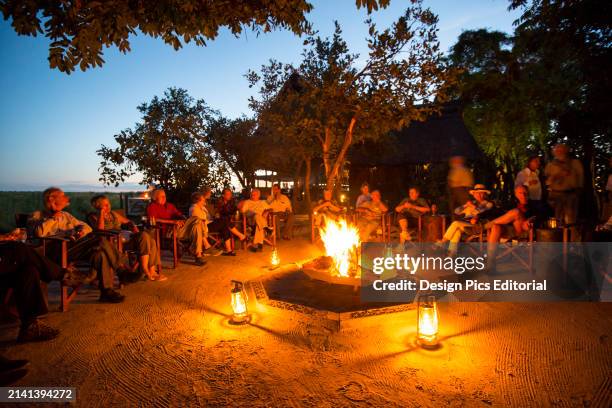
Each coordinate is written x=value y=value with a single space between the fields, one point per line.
x=13 y=202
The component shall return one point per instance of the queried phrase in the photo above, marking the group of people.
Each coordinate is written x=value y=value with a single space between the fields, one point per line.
x=555 y=193
x=22 y=267
x=95 y=242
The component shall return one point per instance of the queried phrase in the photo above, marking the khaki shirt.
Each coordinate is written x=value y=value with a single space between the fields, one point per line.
x=45 y=225
x=564 y=175
x=251 y=207
x=280 y=203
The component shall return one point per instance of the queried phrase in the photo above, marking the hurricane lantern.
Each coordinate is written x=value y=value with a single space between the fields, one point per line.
x=427 y=322
x=274 y=258
x=239 y=303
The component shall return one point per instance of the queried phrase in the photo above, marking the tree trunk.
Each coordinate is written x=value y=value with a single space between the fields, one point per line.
x=296 y=183
x=326 y=154
x=332 y=177
x=307 y=186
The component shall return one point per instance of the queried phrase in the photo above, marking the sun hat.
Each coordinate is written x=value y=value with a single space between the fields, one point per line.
x=479 y=188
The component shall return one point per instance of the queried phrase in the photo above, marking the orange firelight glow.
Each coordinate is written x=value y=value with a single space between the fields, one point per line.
x=427 y=324
x=341 y=242
x=274 y=258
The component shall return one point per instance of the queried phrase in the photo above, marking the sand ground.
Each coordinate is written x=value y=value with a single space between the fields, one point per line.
x=169 y=344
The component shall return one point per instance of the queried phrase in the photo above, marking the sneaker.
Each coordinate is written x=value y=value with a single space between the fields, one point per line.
x=37 y=331
x=230 y=253
x=260 y=247
x=73 y=277
x=253 y=248
x=212 y=251
x=111 y=296
x=200 y=261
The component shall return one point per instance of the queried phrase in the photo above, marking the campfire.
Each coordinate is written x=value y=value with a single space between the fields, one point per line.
x=341 y=241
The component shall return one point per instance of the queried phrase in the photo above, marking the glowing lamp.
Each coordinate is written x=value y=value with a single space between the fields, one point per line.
x=239 y=303
x=427 y=322
x=274 y=258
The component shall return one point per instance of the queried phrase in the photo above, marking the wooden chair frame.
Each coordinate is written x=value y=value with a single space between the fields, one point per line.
x=271 y=221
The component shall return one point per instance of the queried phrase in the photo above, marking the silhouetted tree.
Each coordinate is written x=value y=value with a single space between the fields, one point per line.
x=169 y=146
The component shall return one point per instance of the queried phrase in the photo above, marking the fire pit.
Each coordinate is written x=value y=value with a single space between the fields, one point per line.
x=325 y=287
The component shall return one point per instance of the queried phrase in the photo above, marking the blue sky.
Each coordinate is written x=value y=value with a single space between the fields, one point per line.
x=51 y=124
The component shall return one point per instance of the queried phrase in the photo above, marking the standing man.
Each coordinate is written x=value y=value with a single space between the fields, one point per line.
x=564 y=180
x=256 y=211
x=460 y=181
x=529 y=177
x=281 y=207
x=364 y=196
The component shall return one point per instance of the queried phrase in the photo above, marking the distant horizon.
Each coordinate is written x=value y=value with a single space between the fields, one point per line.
x=53 y=123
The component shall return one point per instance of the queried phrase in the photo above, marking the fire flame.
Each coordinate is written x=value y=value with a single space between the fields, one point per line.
x=341 y=240
x=274 y=258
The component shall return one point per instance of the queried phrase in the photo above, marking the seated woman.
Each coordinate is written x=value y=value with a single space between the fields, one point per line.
x=409 y=210
x=327 y=207
x=103 y=257
x=195 y=230
x=471 y=213
x=219 y=226
x=226 y=209
x=142 y=241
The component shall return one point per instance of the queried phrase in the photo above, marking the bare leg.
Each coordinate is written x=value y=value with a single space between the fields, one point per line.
x=237 y=233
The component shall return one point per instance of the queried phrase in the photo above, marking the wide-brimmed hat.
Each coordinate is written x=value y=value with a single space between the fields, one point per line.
x=479 y=188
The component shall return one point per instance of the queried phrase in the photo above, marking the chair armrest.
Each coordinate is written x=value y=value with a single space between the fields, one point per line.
x=57 y=237
x=106 y=233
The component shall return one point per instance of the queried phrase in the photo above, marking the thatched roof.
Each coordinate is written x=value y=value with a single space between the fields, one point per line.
x=434 y=140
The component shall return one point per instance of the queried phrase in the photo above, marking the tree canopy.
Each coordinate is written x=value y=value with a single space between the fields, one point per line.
x=79 y=30
x=333 y=99
x=169 y=146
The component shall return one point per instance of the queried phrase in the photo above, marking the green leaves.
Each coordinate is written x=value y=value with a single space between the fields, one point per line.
x=170 y=146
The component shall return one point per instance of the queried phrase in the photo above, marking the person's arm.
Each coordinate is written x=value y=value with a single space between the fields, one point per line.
x=384 y=207
x=400 y=207
x=460 y=210
x=423 y=208
x=175 y=214
x=85 y=228
x=41 y=226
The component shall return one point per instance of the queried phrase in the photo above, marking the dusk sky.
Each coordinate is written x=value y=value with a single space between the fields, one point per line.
x=53 y=123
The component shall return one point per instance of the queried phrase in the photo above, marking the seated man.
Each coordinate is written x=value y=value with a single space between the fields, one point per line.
x=22 y=269
x=409 y=211
x=281 y=207
x=327 y=207
x=471 y=213
x=143 y=242
x=256 y=211
x=103 y=257
x=370 y=215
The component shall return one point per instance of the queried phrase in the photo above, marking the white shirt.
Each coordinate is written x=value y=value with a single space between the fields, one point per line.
x=251 y=207
x=45 y=225
x=280 y=203
x=524 y=178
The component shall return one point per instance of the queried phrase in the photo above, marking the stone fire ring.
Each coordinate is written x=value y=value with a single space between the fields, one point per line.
x=309 y=289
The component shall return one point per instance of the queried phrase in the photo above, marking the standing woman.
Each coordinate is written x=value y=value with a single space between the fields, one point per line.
x=104 y=218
